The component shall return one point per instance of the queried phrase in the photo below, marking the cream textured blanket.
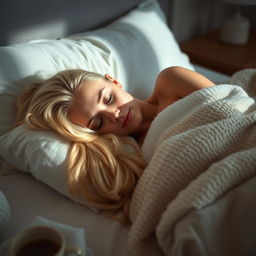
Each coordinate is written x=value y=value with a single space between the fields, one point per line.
x=198 y=148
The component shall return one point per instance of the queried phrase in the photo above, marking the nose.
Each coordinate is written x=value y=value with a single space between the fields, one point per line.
x=112 y=113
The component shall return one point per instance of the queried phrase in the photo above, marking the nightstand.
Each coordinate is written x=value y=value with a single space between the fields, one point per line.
x=210 y=52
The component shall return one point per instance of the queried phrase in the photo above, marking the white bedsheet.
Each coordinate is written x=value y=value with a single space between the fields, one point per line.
x=28 y=198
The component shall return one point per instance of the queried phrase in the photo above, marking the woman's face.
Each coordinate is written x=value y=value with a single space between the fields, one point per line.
x=104 y=107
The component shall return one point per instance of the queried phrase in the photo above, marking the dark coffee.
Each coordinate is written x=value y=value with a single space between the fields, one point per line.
x=39 y=247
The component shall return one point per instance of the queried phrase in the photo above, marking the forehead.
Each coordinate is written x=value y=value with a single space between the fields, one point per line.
x=89 y=89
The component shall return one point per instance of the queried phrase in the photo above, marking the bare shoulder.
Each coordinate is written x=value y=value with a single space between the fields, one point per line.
x=177 y=82
x=182 y=80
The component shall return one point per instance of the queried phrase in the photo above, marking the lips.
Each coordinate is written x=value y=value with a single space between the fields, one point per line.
x=127 y=118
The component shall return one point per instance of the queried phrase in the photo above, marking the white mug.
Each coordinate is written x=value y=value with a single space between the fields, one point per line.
x=41 y=240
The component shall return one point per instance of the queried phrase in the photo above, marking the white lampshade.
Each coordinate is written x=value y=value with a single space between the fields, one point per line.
x=236 y=29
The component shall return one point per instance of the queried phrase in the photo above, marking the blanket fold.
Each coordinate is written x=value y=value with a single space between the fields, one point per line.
x=198 y=149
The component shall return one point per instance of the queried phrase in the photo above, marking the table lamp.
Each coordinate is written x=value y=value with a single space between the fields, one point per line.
x=235 y=30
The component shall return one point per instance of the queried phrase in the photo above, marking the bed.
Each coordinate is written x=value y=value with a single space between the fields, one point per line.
x=104 y=38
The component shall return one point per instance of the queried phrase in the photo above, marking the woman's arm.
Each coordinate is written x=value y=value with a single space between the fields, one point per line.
x=175 y=82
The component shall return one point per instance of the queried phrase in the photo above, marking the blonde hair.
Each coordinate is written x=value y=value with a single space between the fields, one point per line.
x=99 y=169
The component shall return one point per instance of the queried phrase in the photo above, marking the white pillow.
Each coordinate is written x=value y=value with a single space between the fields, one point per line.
x=141 y=45
x=134 y=49
x=43 y=154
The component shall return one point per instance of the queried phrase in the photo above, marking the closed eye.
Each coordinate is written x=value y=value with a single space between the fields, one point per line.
x=110 y=99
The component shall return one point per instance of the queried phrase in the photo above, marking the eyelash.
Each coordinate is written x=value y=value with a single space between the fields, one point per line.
x=110 y=99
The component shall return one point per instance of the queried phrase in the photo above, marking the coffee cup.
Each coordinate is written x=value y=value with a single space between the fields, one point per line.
x=41 y=241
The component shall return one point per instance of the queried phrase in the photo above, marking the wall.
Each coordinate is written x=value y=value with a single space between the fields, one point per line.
x=189 y=18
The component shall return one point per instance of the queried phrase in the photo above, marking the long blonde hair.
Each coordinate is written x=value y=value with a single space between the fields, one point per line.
x=99 y=169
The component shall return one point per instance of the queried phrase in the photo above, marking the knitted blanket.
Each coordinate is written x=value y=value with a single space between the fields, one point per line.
x=198 y=148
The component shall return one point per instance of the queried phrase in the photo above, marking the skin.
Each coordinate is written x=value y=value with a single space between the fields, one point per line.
x=105 y=107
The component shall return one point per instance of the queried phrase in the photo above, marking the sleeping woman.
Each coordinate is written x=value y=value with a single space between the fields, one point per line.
x=98 y=117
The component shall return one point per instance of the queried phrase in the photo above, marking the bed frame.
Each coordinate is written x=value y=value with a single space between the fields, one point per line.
x=34 y=19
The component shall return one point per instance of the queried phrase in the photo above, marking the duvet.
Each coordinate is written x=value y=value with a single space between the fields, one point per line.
x=201 y=154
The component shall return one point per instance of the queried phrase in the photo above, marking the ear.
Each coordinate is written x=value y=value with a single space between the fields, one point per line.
x=113 y=80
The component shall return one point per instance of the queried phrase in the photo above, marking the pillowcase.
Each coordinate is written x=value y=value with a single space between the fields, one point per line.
x=43 y=154
x=133 y=49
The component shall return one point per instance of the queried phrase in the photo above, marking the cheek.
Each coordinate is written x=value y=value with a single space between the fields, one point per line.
x=76 y=117
x=125 y=97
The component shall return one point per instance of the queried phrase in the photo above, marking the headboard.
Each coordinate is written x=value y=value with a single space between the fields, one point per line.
x=34 y=19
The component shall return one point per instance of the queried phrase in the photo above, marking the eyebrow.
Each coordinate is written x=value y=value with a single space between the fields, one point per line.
x=98 y=100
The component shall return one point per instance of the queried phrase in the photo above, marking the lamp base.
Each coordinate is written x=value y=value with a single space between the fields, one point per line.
x=235 y=30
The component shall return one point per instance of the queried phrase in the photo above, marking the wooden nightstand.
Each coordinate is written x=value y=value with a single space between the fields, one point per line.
x=208 y=51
